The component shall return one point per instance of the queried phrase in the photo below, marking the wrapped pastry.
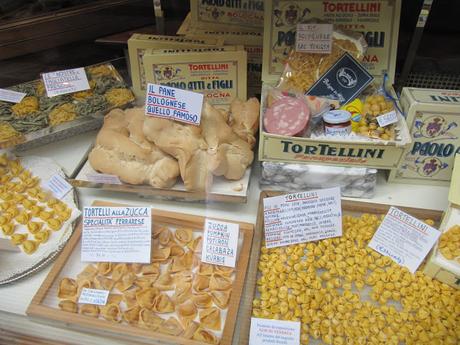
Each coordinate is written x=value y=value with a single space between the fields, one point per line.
x=163 y=304
x=220 y=282
x=186 y=311
x=221 y=298
x=210 y=318
x=126 y=281
x=89 y=310
x=111 y=312
x=148 y=319
x=183 y=235
x=67 y=288
x=131 y=315
x=201 y=283
x=171 y=327
x=89 y=273
x=202 y=300
x=190 y=329
x=129 y=297
x=182 y=293
x=164 y=282
x=205 y=336
x=68 y=305
x=146 y=297
x=104 y=268
x=104 y=283
x=118 y=271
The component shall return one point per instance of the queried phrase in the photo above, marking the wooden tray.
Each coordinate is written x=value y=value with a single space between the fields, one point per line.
x=348 y=207
x=42 y=312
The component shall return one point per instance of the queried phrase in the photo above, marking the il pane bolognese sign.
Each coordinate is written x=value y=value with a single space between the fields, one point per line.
x=174 y=104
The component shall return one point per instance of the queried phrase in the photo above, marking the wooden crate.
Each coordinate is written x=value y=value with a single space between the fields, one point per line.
x=348 y=207
x=37 y=308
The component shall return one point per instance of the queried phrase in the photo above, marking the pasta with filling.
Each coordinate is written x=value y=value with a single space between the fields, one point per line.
x=89 y=310
x=196 y=245
x=54 y=224
x=144 y=282
x=171 y=327
x=186 y=311
x=183 y=235
x=104 y=283
x=8 y=229
x=205 y=336
x=202 y=300
x=221 y=298
x=89 y=273
x=176 y=250
x=164 y=282
x=220 y=282
x=183 y=292
x=148 y=319
x=114 y=298
x=210 y=318
x=42 y=236
x=223 y=270
x=126 y=281
x=35 y=210
x=111 y=312
x=18 y=239
x=183 y=277
x=68 y=305
x=118 y=271
x=131 y=315
x=160 y=254
x=165 y=237
x=152 y=271
x=46 y=215
x=146 y=297
x=34 y=227
x=23 y=218
x=205 y=269
x=135 y=267
x=178 y=264
x=129 y=297
x=201 y=283
x=190 y=329
x=104 y=268
x=67 y=288
x=163 y=304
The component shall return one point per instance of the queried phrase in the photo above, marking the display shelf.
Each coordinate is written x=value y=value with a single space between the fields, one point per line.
x=15 y=298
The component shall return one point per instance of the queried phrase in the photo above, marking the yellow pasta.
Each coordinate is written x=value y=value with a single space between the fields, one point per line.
x=30 y=246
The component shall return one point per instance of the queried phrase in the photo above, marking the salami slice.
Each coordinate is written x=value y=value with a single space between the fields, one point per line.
x=287 y=116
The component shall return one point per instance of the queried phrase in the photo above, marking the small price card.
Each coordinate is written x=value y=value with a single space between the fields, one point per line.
x=273 y=332
x=103 y=178
x=314 y=38
x=220 y=243
x=65 y=81
x=11 y=96
x=174 y=104
x=387 y=119
x=302 y=217
x=93 y=296
x=116 y=234
x=404 y=239
x=58 y=186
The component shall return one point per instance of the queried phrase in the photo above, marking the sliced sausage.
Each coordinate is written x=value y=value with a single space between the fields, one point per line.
x=287 y=116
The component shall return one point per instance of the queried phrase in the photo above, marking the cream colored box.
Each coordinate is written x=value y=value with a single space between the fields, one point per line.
x=447 y=271
x=252 y=42
x=331 y=150
x=377 y=20
x=222 y=14
x=219 y=73
x=433 y=117
x=139 y=43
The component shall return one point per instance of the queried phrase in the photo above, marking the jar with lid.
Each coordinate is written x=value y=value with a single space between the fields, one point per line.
x=337 y=123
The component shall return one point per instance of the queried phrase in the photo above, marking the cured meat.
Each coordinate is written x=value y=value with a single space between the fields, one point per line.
x=287 y=116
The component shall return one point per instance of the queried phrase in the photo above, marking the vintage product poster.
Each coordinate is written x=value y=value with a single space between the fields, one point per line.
x=378 y=21
x=220 y=73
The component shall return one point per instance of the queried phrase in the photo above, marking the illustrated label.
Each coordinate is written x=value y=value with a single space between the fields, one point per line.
x=404 y=239
x=58 y=186
x=240 y=12
x=217 y=81
x=220 y=243
x=314 y=38
x=116 y=234
x=103 y=178
x=343 y=81
x=93 y=296
x=65 y=81
x=174 y=104
x=11 y=96
x=375 y=20
x=387 y=119
x=302 y=217
x=273 y=332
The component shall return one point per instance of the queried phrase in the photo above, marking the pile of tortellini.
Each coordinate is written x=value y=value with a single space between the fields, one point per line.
x=176 y=294
x=28 y=214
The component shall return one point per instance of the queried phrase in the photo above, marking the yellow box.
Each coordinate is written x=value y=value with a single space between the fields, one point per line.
x=252 y=42
x=218 y=73
x=433 y=117
x=222 y=14
x=377 y=20
x=139 y=43
x=330 y=151
x=447 y=271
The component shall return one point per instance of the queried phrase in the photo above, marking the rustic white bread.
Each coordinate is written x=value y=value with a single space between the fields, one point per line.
x=115 y=153
x=244 y=119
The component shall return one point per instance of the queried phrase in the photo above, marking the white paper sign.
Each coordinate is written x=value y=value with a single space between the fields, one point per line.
x=65 y=81
x=174 y=104
x=314 y=38
x=404 y=239
x=103 y=178
x=274 y=332
x=116 y=234
x=93 y=296
x=58 y=186
x=387 y=119
x=220 y=243
x=11 y=96
x=302 y=217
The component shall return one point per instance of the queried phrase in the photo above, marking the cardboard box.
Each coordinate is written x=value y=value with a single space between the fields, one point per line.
x=241 y=14
x=377 y=20
x=219 y=73
x=447 y=271
x=252 y=42
x=433 y=117
x=330 y=151
x=139 y=43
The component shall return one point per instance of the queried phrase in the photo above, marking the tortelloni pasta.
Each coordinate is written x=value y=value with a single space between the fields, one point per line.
x=176 y=294
x=26 y=209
